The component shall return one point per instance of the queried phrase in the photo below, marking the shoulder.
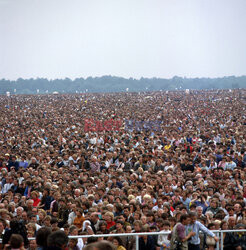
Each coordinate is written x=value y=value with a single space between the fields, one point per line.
x=180 y=226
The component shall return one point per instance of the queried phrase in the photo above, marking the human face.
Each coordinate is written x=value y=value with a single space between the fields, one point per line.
x=19 y=211
x=137 y=228
x=224 y=226
x=103 y=227
x=186 y=221
x=128 y=229
x=66 y=231
x=1 y=227
x=118 y=226
x=192 y=219
x=237 y=208
x=213 y=204
x=199 y=211
x=115 y=242
x=32 y=244
x=75 y=232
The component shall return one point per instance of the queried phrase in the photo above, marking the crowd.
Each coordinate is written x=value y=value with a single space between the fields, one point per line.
x=188 y=175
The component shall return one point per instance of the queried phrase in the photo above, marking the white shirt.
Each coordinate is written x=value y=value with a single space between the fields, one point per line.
x=6 y=187
x=162 y=238
x=71 y=218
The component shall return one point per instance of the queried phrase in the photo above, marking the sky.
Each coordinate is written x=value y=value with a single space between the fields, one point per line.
x=127 y=38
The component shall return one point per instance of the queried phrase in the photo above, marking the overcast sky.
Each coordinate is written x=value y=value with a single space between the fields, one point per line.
x=129 y=38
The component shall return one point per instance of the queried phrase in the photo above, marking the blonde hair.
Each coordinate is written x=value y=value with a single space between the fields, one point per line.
x=131 y=197
x=110 y=214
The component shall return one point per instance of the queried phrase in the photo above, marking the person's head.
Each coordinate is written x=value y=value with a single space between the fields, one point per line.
x=47 y=220
x=137 y=226
x=166 y=225
x=57 y=239
x=214 y=203
x=193 y=217
x=94 y=217
x=231 y=221
x=184 y=219
x=72 y=243
x=29 y=204
x=240 y=226
x=33 y=218
x=102 y=225
x=73 y=230
x=24 y=216
x=16 y=241
x=199 y=211
x=79 y=212
x=119 y=225
x=2 y=225
x=66 y=229
x=42 y=235
x=224 y=225
x=217 y=224
x=230 y=211
x=211 y=226
x=117 y=241
x=237 y=208
x=109 y=216
x=100 y=245
x=128 y=229
x=34 y=195
x=32 y=245
x=19 y=211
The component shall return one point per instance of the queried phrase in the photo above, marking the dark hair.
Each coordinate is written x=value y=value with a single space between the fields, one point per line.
x=17 y=227
x=100 y=245
x=166 y=223
x=119 y=240
x=91 y=240
x=210 y=225
x=42 y=235
x=16 y=241
x=183 y=217
x=57 y=239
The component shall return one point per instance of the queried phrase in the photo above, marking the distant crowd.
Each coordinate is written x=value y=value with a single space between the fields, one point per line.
x=59 y=178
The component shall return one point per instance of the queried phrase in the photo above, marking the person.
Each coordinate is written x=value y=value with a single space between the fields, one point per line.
x=240 y=237
x=178 y=235
x=72 y=244
x=146 y=242
x=57 y=240
x=100 y=245
x=79 y=219
x=16 y=227
x=163 y=239
x=117 y=241
x=32 y=245
x=41 y=237
x=210 y=241
x=49 y=130
x=228 y=238
x=196 y=226
x=16 y=241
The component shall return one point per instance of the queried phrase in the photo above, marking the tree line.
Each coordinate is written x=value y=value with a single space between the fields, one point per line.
x=116 y=84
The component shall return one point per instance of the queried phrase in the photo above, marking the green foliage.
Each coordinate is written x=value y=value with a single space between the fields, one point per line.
x=117 y=84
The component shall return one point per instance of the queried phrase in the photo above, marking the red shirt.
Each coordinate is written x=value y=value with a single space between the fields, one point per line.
x=110 y=224
x=36 y=202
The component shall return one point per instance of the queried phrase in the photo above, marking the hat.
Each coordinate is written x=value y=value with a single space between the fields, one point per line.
x=240 y=225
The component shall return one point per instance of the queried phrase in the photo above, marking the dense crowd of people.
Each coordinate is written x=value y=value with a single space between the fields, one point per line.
x=57 y=179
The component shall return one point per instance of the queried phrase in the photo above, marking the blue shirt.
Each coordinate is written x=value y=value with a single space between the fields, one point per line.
x=196 y=227
x=230 y=165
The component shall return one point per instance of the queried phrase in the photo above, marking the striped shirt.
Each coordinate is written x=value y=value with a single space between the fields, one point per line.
x=196 y=227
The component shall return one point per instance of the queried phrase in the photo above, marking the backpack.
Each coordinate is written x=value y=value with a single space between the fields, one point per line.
x=175 y=242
